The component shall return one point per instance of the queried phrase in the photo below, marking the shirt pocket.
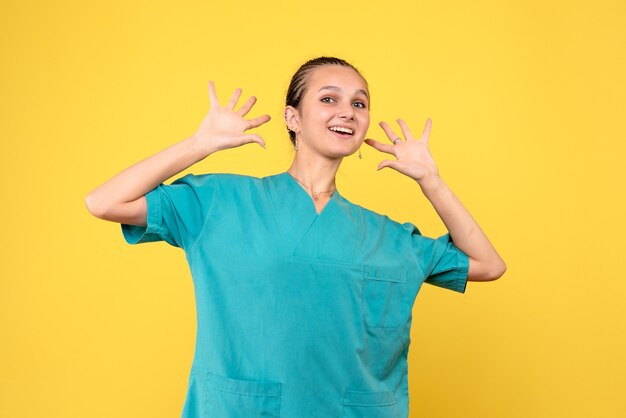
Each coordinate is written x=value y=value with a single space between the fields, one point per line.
x=358 y=404
x=386 y=297
x=226 y=397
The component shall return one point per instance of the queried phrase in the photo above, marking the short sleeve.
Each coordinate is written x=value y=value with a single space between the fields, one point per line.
x=442 y=263
x=176 y=212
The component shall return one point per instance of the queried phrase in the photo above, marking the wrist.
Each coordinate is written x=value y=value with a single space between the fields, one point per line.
x=431 y=183
x=200 y=147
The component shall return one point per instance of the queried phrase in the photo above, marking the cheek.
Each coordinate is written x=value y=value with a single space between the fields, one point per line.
x=325 y=115
x=365 y=120
x=317 y=118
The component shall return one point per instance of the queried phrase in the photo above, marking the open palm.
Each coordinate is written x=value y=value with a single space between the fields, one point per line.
x=223 y=127
x=412 y=155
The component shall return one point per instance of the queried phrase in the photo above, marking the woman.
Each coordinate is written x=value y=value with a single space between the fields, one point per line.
x=303 y=298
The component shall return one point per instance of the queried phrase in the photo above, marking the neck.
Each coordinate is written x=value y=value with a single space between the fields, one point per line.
x=314 y=171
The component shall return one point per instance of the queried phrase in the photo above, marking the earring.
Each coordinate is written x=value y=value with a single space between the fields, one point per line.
x=360 y=156
x=296 y=144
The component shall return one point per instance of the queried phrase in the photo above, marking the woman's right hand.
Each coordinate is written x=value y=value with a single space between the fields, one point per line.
x=223 y=127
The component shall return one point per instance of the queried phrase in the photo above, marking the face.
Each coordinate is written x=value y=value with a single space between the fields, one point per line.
x=334 y=112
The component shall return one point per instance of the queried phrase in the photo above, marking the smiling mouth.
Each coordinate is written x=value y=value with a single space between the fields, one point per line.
x=341 y=130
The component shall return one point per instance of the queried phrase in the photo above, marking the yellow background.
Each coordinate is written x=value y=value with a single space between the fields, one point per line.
x=528 y=106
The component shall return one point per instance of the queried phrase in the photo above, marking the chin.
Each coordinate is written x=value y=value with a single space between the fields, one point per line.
x=335 y=150
x=342 y=153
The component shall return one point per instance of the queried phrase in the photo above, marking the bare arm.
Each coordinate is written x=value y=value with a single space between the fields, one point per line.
x=122 y=198
x=485 y=263
x=415 y=161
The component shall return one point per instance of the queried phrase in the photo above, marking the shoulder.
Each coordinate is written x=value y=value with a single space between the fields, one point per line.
x=211 y=186
x=231 y=187
x=217 y=179
x=238 y=184
x=378 y=221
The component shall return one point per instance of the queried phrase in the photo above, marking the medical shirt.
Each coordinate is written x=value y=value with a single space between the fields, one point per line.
x=299 y=314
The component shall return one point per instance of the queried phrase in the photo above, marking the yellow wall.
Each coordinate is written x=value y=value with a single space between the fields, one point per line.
x=528 y=101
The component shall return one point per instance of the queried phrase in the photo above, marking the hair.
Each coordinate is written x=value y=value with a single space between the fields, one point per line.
x=297 y=87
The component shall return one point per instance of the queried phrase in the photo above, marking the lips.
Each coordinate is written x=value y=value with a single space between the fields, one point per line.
x=342 y=130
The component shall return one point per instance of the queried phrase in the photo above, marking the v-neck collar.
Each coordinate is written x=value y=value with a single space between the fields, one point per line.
x=304 y=193
x=305 y=233
x=293 y=209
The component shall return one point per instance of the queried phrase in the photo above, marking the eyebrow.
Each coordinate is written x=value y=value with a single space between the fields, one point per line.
x=335 y=88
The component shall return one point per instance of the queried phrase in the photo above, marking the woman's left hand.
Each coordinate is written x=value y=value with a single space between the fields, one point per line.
x=412 y=155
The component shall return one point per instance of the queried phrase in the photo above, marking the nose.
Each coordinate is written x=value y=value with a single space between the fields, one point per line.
x=346 y=111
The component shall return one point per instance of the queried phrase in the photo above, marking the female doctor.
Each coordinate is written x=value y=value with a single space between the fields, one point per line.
x=303 y=298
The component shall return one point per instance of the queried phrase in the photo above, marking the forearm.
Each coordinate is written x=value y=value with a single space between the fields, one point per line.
x=464 y=230
x=140 y=178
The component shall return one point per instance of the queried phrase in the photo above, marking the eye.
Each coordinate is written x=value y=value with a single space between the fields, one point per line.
x=360 y=105
x=327 y=99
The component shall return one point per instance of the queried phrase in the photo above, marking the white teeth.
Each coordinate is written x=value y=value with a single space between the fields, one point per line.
x=340 y=129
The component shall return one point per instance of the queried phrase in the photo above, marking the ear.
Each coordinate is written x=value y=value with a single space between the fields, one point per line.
x=292 y=118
